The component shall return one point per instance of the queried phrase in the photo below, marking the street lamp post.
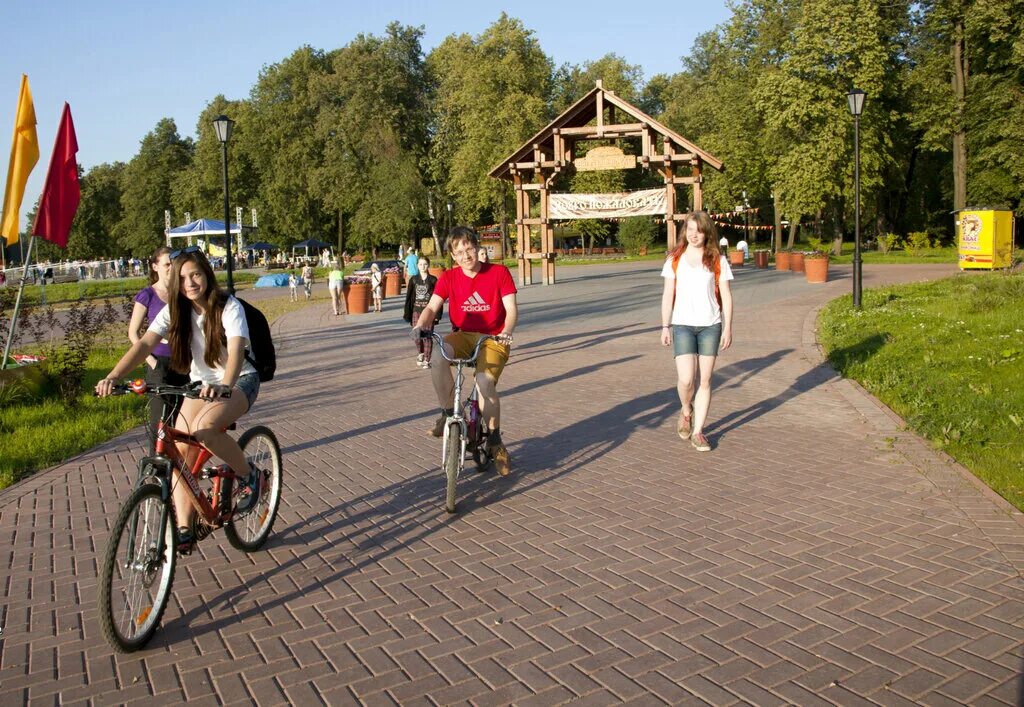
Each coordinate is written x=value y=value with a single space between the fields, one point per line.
x=223 y=125
x=856 y=100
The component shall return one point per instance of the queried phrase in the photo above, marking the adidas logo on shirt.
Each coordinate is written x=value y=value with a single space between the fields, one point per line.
x=475 y=303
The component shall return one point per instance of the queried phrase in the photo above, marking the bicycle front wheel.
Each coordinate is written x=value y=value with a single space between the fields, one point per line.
x=452 y=463
x=136 y=578
x=250 y=531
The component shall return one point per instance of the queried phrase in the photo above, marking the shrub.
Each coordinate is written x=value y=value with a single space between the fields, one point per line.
x=636 y=233
x=917 y=242
x=887 y=242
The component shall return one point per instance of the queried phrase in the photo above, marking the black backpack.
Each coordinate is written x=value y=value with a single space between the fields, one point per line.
x=261 y=352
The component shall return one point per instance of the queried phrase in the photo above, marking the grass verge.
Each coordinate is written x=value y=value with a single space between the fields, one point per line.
x=103 y=289
x=948 y=357
x=38 y=430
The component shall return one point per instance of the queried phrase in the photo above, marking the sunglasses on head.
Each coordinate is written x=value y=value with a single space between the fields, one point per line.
x=183 y=251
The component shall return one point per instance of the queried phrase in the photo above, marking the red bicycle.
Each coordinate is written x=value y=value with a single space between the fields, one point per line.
x=138 y=566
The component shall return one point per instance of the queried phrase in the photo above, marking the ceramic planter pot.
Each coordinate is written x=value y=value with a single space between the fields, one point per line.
x=816 y=269
x=736 y=258
x=357 y=297
x=782 y=260
x=761 y=258
x=436 y=272
x=392 y=284
x=796 y=262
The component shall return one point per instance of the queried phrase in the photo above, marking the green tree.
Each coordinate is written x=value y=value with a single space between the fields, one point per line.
x=835 y=44
x=146 y=189
x=573 y=82
x=285 y=148
x=199 y=189
x=492 y=93
x=99 y=211
x=373 y=118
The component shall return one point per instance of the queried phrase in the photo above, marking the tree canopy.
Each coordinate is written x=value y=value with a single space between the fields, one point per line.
x=359 y=138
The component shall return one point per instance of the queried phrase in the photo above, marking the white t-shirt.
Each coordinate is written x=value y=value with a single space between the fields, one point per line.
x=233 y=321
x=723 y=242
x=742 y=245
x=695 y=303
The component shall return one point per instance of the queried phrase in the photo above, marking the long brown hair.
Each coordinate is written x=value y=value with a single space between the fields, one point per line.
x=153 y=277
x=179 y=335
x=706 y=227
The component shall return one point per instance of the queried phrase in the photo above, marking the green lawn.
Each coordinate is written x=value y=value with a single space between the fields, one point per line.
x=101 y=289
x=874 y=257
x=37 y=430
x=948 y=357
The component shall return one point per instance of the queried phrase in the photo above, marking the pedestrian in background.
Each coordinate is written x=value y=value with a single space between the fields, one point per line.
x=417 y=296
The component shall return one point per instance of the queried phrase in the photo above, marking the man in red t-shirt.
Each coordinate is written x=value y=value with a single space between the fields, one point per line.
x=482 y=300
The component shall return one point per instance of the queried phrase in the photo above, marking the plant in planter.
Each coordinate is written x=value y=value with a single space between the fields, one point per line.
x=782 y=259
x=357 y=294
x=392 y=282
x=796 y=261
x=761 y=256
x=816 y=262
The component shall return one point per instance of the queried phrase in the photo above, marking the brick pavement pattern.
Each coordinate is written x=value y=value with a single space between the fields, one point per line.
x=819 y=555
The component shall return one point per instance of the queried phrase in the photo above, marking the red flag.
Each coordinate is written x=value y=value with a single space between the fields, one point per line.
x=61 y=192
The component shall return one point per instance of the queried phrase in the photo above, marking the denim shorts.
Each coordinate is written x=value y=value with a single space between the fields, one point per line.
x=700 y=340
x=249 y=384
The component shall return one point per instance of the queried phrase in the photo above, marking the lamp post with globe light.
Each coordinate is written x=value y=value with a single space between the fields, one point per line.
x=223 y=125
x=856 y=101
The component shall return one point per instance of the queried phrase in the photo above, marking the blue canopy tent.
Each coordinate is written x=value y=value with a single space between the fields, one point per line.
x=310 y=243
x=260 y=245
x=207 y=227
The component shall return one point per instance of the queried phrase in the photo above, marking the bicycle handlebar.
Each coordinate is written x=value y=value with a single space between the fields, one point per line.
x=139 y=387
x=469 y=359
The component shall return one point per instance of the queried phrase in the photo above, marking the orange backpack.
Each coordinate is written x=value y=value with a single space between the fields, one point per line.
x=717 y=271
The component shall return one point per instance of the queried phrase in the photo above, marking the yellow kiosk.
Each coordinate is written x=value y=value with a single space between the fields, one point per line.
x=985 y=238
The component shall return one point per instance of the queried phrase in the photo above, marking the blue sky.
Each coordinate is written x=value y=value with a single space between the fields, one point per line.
x=125 y=65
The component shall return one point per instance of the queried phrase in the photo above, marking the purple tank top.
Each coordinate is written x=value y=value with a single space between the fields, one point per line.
x=149 y=299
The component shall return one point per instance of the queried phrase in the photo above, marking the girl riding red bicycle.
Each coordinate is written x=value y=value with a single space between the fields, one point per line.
x=206 y=330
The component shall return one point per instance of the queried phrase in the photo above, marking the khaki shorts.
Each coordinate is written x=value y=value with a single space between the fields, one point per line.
x=493 y=356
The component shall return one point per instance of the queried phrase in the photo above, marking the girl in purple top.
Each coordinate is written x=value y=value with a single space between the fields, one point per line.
x=148 y=304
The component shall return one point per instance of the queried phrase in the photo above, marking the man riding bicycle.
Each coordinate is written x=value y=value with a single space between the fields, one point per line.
x=482 y=301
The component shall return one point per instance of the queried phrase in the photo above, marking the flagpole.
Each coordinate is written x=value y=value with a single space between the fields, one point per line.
x=17 y=304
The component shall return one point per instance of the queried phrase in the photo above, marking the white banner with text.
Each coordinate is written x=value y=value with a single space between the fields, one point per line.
x=649 y=202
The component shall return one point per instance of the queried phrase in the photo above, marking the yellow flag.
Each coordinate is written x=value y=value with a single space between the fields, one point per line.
x=24 y=155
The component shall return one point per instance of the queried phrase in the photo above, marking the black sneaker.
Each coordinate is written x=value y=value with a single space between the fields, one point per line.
x=185 y=541
x=252 y=487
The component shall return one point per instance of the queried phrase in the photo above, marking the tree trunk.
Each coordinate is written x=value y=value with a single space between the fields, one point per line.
x=794 y=225
x=777 y=221
x=960 y=73
x=341 y=237
x=433 y=225
x=838 y=226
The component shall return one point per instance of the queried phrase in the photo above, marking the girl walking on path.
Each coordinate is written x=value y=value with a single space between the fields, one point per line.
x=208 y=335
x=696 y=318
x=148 y=304
x=335 y=286
x=417 y=296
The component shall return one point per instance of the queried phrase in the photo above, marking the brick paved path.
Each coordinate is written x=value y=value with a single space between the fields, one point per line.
x=818 y=555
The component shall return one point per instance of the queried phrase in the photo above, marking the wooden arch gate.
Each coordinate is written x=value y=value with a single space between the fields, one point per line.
x=599 y=115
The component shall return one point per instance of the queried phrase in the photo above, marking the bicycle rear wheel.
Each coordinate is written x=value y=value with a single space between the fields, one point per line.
x=136 y=577
x=250 y=531
x=452 y=463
